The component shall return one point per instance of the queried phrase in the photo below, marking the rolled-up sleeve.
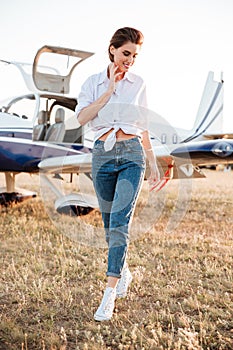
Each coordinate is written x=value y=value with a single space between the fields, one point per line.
x=85 y=97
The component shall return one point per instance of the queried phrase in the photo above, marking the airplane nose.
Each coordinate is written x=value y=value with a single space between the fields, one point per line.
x=222 y=149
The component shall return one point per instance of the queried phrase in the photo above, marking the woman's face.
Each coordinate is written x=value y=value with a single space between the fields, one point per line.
x=124 y=56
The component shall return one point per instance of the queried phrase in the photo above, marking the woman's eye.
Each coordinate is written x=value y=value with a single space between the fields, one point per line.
x=127 y=53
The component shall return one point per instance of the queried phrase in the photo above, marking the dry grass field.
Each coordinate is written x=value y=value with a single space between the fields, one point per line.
x=181 y=296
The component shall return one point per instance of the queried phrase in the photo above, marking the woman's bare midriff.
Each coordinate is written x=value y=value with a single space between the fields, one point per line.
x=120 y=135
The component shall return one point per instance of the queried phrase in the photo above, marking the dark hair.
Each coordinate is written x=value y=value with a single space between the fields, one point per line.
x=122 y=36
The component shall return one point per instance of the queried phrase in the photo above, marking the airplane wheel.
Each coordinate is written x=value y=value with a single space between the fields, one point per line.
x=74 y=210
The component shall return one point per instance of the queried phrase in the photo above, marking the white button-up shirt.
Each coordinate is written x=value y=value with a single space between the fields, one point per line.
x=125 y=110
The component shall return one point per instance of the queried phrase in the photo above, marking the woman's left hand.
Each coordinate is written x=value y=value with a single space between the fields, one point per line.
x=154 y=174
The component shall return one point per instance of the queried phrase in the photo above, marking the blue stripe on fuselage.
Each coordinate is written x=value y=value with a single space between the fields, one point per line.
x=23 y=133
x=18 y=154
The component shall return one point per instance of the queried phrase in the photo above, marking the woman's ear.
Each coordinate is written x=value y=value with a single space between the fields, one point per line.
x=112 y=49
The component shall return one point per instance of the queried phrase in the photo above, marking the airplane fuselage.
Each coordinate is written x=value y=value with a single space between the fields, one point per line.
x=20 y=154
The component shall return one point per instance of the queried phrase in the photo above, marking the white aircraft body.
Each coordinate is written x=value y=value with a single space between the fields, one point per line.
x=39 y=133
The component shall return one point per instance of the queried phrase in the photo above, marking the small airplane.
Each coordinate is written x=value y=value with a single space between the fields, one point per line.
x=39 y=133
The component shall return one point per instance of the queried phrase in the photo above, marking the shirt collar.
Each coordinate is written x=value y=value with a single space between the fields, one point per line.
x=104 y=78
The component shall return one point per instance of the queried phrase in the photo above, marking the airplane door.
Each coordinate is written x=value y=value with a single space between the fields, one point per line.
x=53 y=67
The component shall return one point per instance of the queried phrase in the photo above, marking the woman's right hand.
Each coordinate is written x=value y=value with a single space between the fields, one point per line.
x=90 y=112
x=113 y=77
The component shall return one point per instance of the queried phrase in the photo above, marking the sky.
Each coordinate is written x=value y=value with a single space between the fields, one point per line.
x=184 y=40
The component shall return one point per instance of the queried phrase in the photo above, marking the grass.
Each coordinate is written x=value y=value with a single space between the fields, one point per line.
x=181 y=296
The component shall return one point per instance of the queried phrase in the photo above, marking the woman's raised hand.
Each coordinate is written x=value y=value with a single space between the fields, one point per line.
x=113 y=76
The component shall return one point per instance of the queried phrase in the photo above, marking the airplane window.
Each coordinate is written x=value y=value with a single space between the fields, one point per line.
x=174 y=138
x=23 y=108
x=163 y=138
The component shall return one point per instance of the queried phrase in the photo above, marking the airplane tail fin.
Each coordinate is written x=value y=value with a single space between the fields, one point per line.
x=209 y=117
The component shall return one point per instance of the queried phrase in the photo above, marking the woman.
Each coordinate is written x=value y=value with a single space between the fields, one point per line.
x=114 y=103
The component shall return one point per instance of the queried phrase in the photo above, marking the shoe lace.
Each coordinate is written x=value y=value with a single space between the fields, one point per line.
x=110 y=301
x=124 y=282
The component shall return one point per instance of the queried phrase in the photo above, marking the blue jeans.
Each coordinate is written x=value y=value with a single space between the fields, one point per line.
x=117 y=177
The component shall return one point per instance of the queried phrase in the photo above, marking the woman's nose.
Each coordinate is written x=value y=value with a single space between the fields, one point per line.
x=130 y=59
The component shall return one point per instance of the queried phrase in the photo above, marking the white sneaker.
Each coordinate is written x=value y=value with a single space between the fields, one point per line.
x=123 y=284
x=105 y=310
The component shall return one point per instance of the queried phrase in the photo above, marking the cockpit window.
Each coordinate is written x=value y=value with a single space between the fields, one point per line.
x=23 y=108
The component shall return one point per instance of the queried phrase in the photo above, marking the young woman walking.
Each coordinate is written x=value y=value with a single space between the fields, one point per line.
x=112 y=102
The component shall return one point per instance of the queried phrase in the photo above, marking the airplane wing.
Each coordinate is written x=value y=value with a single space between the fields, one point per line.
x=67 y=164
x=180 y=163
x=82 y=163
x=185 y=159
